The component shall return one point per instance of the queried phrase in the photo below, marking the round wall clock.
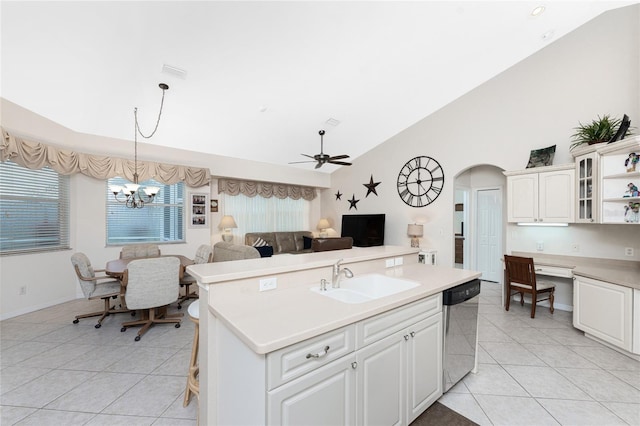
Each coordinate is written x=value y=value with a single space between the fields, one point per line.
x=420 y=181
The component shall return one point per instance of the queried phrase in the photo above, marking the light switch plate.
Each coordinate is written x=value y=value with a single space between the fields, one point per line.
x=268 y=284
x=398 y=261
x=388 y=263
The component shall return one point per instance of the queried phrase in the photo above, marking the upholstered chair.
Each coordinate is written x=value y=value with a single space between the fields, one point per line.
x=138 y=251
x=96 y=287
x=152 y=284
x=203 y=255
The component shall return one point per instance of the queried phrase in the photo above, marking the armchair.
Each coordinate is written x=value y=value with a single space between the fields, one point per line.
x=203 y=255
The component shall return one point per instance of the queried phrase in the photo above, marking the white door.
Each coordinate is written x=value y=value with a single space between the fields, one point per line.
x=489 y=233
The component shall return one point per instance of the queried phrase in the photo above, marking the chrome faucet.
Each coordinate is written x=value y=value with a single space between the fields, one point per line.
x=335 y=276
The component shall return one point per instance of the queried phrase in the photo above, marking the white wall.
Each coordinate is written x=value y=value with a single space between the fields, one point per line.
x=534 y=104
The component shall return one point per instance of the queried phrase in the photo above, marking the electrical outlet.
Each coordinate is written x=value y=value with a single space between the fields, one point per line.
x=540 y=246
x=575 y=247
x=398 y=261
x=388 y=263
x=23 y=290
x=268 y=284
x=628 y=251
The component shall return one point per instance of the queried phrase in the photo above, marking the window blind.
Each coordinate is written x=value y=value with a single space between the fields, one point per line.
x=34 y=209
x=161 y=221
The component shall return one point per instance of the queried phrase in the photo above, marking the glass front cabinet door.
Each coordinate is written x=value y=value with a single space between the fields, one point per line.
x=587 y=185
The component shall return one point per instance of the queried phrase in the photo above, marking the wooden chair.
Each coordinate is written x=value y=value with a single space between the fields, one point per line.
x=137 y=251
x=151 y=285
x=96 y=287
x=193 y=383
x=520 y=277
x=204 y=254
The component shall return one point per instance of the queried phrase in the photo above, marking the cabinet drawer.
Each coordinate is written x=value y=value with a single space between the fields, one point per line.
x=383 y=325
x=553 y=271
x=293 y=361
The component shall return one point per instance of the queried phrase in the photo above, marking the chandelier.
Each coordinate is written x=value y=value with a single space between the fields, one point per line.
x=134 y=196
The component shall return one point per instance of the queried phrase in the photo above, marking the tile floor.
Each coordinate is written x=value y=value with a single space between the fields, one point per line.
x=542 y=371
x=531 y=372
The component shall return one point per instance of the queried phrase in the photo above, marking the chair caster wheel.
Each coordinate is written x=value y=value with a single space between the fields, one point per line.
x=178 y=325
x=123 y=329
x=137 y=339
x=179 y=306
x=98 y=325
x=133 y=314
x=75 y=321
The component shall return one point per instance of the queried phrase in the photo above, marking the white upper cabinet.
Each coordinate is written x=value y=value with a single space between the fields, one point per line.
x=587 y=185
x=544 y=194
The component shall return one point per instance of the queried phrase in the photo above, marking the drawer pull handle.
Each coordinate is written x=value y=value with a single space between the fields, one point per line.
x=354 y=365
x=320 y=355
x=406 y=337
x=413 y=334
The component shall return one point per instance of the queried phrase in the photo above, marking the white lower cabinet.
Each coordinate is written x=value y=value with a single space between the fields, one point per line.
x=325 y=396
x=604 y=310
x=390 y=380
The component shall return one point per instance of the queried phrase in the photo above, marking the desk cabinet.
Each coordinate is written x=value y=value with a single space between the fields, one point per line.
x=603 y=310
x=547 y=196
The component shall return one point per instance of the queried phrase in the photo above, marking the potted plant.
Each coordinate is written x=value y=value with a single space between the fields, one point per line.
x=601 y=130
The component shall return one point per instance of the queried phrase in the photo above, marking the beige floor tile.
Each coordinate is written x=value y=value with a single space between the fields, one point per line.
x=559 y=356
x=510 y=353
x=583 y=413
x=12 y=415
x=152 y=396
x=513 y=410
x=44 y=389
x=466 y=405
x=115 y=420
x=608 y=358
x=630 y=413
x=492 y=380
x=56 y=418
x=601 y=385
x=545 y=382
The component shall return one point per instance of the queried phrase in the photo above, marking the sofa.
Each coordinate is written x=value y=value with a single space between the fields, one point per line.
x=223 y=252
x=282 y=242
x=296 y=242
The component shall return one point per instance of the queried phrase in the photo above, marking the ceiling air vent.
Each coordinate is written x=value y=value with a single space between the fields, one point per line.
x=174 y=71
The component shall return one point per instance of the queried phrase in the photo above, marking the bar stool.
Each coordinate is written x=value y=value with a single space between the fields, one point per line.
x=193 y=384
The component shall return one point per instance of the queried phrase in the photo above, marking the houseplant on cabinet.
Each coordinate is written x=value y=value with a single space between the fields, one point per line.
x=601 y=130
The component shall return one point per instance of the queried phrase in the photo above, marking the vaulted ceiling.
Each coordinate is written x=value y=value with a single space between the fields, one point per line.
x=257 y=80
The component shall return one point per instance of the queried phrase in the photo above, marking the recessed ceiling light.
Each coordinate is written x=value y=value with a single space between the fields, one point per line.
x=174 y=71
x=332 y=122
x=537 y=11
x=262 y=108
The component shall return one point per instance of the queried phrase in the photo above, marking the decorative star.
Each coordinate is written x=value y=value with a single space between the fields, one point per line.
x=371 y=186
x=353 y=202
x=338 y=195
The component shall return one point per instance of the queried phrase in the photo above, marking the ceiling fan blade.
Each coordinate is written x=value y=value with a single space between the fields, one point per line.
x=339 y=157
x=300 y=162
x=341 y=163
x=310 y=156
x=318 y=165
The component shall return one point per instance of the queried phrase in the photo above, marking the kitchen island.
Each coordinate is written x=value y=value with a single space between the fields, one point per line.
x=290 y=354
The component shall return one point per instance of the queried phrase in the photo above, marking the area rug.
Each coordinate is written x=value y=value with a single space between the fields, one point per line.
x=439 y=414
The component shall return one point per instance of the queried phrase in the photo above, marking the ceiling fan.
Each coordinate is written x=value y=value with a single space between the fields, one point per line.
x=323 y=158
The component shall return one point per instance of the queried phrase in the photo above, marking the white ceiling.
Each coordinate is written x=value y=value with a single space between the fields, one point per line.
x=263 y=77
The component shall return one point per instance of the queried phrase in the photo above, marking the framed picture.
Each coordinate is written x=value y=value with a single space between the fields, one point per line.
x=214 y=206
x=198 y=208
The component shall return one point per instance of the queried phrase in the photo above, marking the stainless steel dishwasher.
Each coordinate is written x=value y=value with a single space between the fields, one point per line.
x=460 y=311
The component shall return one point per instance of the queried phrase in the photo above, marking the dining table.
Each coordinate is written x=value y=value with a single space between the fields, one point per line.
x=117 y=267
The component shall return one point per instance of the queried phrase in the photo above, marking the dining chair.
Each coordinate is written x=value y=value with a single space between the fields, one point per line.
x=203 y=255
x=96 y=287
x=520 y=277
x=139 y=251
x=150 y=285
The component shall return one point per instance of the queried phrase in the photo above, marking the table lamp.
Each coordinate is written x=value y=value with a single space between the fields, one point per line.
x=415 y=231
x=322 y=226
x=226 y=223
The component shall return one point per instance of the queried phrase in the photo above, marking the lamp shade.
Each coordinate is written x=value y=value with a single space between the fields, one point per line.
x=415 y=230
x=227 y=222
x=323 y=224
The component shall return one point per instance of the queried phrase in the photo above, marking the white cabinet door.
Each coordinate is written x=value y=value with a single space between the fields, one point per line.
x=556 y=191
x=522 y=198
x=587 y=197
x=381 y=382
x=424 y=365
x=603 y=310
x=326 y=396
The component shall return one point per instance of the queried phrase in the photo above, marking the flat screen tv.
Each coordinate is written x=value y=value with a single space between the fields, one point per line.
x=367 y=230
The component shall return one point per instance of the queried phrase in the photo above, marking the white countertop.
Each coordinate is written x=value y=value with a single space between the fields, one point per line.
x=621 y=272
x=270 y=320
x=210 y=273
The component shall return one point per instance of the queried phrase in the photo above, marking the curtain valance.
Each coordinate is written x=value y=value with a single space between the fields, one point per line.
x=265 y=189
x=36 y=155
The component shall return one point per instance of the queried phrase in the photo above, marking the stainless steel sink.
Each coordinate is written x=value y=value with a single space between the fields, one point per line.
x=366 y=287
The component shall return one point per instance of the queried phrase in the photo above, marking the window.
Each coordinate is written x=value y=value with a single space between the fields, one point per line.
x=159 y=222
x=34 y=209
x=259 y=214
